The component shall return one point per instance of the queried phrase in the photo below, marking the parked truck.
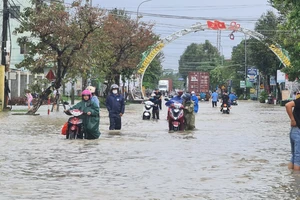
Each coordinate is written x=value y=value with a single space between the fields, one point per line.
x=165 y=86
x=198 y=82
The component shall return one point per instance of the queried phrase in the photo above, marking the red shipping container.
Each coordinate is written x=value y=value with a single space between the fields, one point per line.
x=198 y=82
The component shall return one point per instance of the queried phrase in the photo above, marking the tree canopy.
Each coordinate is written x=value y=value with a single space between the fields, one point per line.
x=81 y=41
x=289 y=33
x=199 y=57
x=258 y=54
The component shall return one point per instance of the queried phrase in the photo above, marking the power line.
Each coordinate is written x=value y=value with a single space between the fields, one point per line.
x=16 y=12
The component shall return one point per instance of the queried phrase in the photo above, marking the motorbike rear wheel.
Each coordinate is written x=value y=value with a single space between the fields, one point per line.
x=175 y=128
x=71 y=134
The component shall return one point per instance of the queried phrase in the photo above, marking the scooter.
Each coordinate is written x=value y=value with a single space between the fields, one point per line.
x=73 y=129
x=225 y=109
x=270 y=100
x=234 y=103
x=147 y=110
x=75 y=125
x=176 y=118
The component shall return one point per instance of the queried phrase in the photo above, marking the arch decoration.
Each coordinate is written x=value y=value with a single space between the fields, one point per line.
x=153 y=50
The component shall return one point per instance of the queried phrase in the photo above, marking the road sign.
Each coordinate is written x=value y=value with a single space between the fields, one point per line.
x=252 y=74
x=242 y=84
x=50 y=76
x=272 y=80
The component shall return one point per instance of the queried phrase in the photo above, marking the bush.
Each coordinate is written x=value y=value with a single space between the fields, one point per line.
x=102 y=102
x=263 y=96
x=241 y=97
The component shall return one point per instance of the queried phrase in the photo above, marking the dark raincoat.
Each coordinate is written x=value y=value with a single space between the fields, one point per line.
x=189 y=115
x=90 y=122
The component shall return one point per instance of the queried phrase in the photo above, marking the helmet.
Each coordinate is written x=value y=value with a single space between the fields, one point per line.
x=193 y=92
x=179 y=93
x=186 y=97
x=86 y=93
x=91 y=88
x=114 y=86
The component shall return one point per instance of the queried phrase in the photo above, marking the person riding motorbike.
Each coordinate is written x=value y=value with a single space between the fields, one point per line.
x=202 y=96
x=189 y=115
x=225 y=100
x=232 y=97
x=91 y=117
x=177 y=98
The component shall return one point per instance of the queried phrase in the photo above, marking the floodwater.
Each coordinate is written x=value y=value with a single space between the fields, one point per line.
x=243 y=155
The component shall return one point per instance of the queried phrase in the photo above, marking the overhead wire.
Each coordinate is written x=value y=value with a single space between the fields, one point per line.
x=16 y=11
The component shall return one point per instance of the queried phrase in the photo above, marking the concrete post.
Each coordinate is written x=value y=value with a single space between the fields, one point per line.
x=19 y=83
x=2 y=86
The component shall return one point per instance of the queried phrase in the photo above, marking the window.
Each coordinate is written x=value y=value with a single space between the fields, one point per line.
x=23 y=49
x=14 y=12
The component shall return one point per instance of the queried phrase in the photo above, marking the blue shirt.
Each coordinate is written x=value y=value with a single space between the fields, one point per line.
x=95 y=100
x=202 y=95
x=232 y=97
x=214 y=96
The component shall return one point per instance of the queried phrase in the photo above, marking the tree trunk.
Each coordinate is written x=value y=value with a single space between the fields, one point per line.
x=42 y=97
x=117 y=79
x=279 y=95
x=72 y=94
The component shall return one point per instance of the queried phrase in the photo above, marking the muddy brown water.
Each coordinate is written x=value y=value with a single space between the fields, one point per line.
x=243 y=155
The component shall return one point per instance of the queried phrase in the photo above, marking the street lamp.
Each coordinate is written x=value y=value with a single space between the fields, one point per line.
x=245 y=89
x=137 y=11
x=137 y=19
x=222 y=55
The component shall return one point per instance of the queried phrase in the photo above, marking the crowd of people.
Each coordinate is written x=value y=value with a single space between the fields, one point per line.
x=115 y=104
x=90 y=105
x=116 y=107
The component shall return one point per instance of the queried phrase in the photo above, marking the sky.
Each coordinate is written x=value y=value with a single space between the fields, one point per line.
x=244 y=12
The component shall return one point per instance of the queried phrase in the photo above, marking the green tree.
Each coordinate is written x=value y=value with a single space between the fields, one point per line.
x=290 y=35
x=261 y=56
x=127 y=40
x=199 y=57
x=58 y=38
x=258 y=54
x=153 y=72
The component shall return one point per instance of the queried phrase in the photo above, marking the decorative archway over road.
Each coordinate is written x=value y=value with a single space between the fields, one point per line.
x=153 y=50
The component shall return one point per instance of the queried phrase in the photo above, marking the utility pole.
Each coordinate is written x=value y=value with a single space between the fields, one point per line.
x=245 y=89
x=4 y=52
x=4 y=32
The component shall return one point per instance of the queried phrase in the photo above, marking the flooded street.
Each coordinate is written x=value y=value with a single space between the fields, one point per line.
x=243 y=155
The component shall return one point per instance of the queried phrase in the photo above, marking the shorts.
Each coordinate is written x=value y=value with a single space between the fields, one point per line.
x=295 y=145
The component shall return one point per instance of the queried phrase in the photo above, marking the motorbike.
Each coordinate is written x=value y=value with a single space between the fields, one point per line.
x=147 y=110
x=234 y=102
x=73 y=128
x=74 y=125
x=176 y=118
x=270 y=99
x=225 y=109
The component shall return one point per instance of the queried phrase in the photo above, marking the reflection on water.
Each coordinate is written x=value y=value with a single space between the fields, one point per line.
x=238 y=156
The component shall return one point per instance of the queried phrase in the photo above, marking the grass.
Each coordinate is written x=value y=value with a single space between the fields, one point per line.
x=20 y=110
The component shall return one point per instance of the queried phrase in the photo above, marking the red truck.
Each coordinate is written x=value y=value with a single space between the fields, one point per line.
x=198 y=82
